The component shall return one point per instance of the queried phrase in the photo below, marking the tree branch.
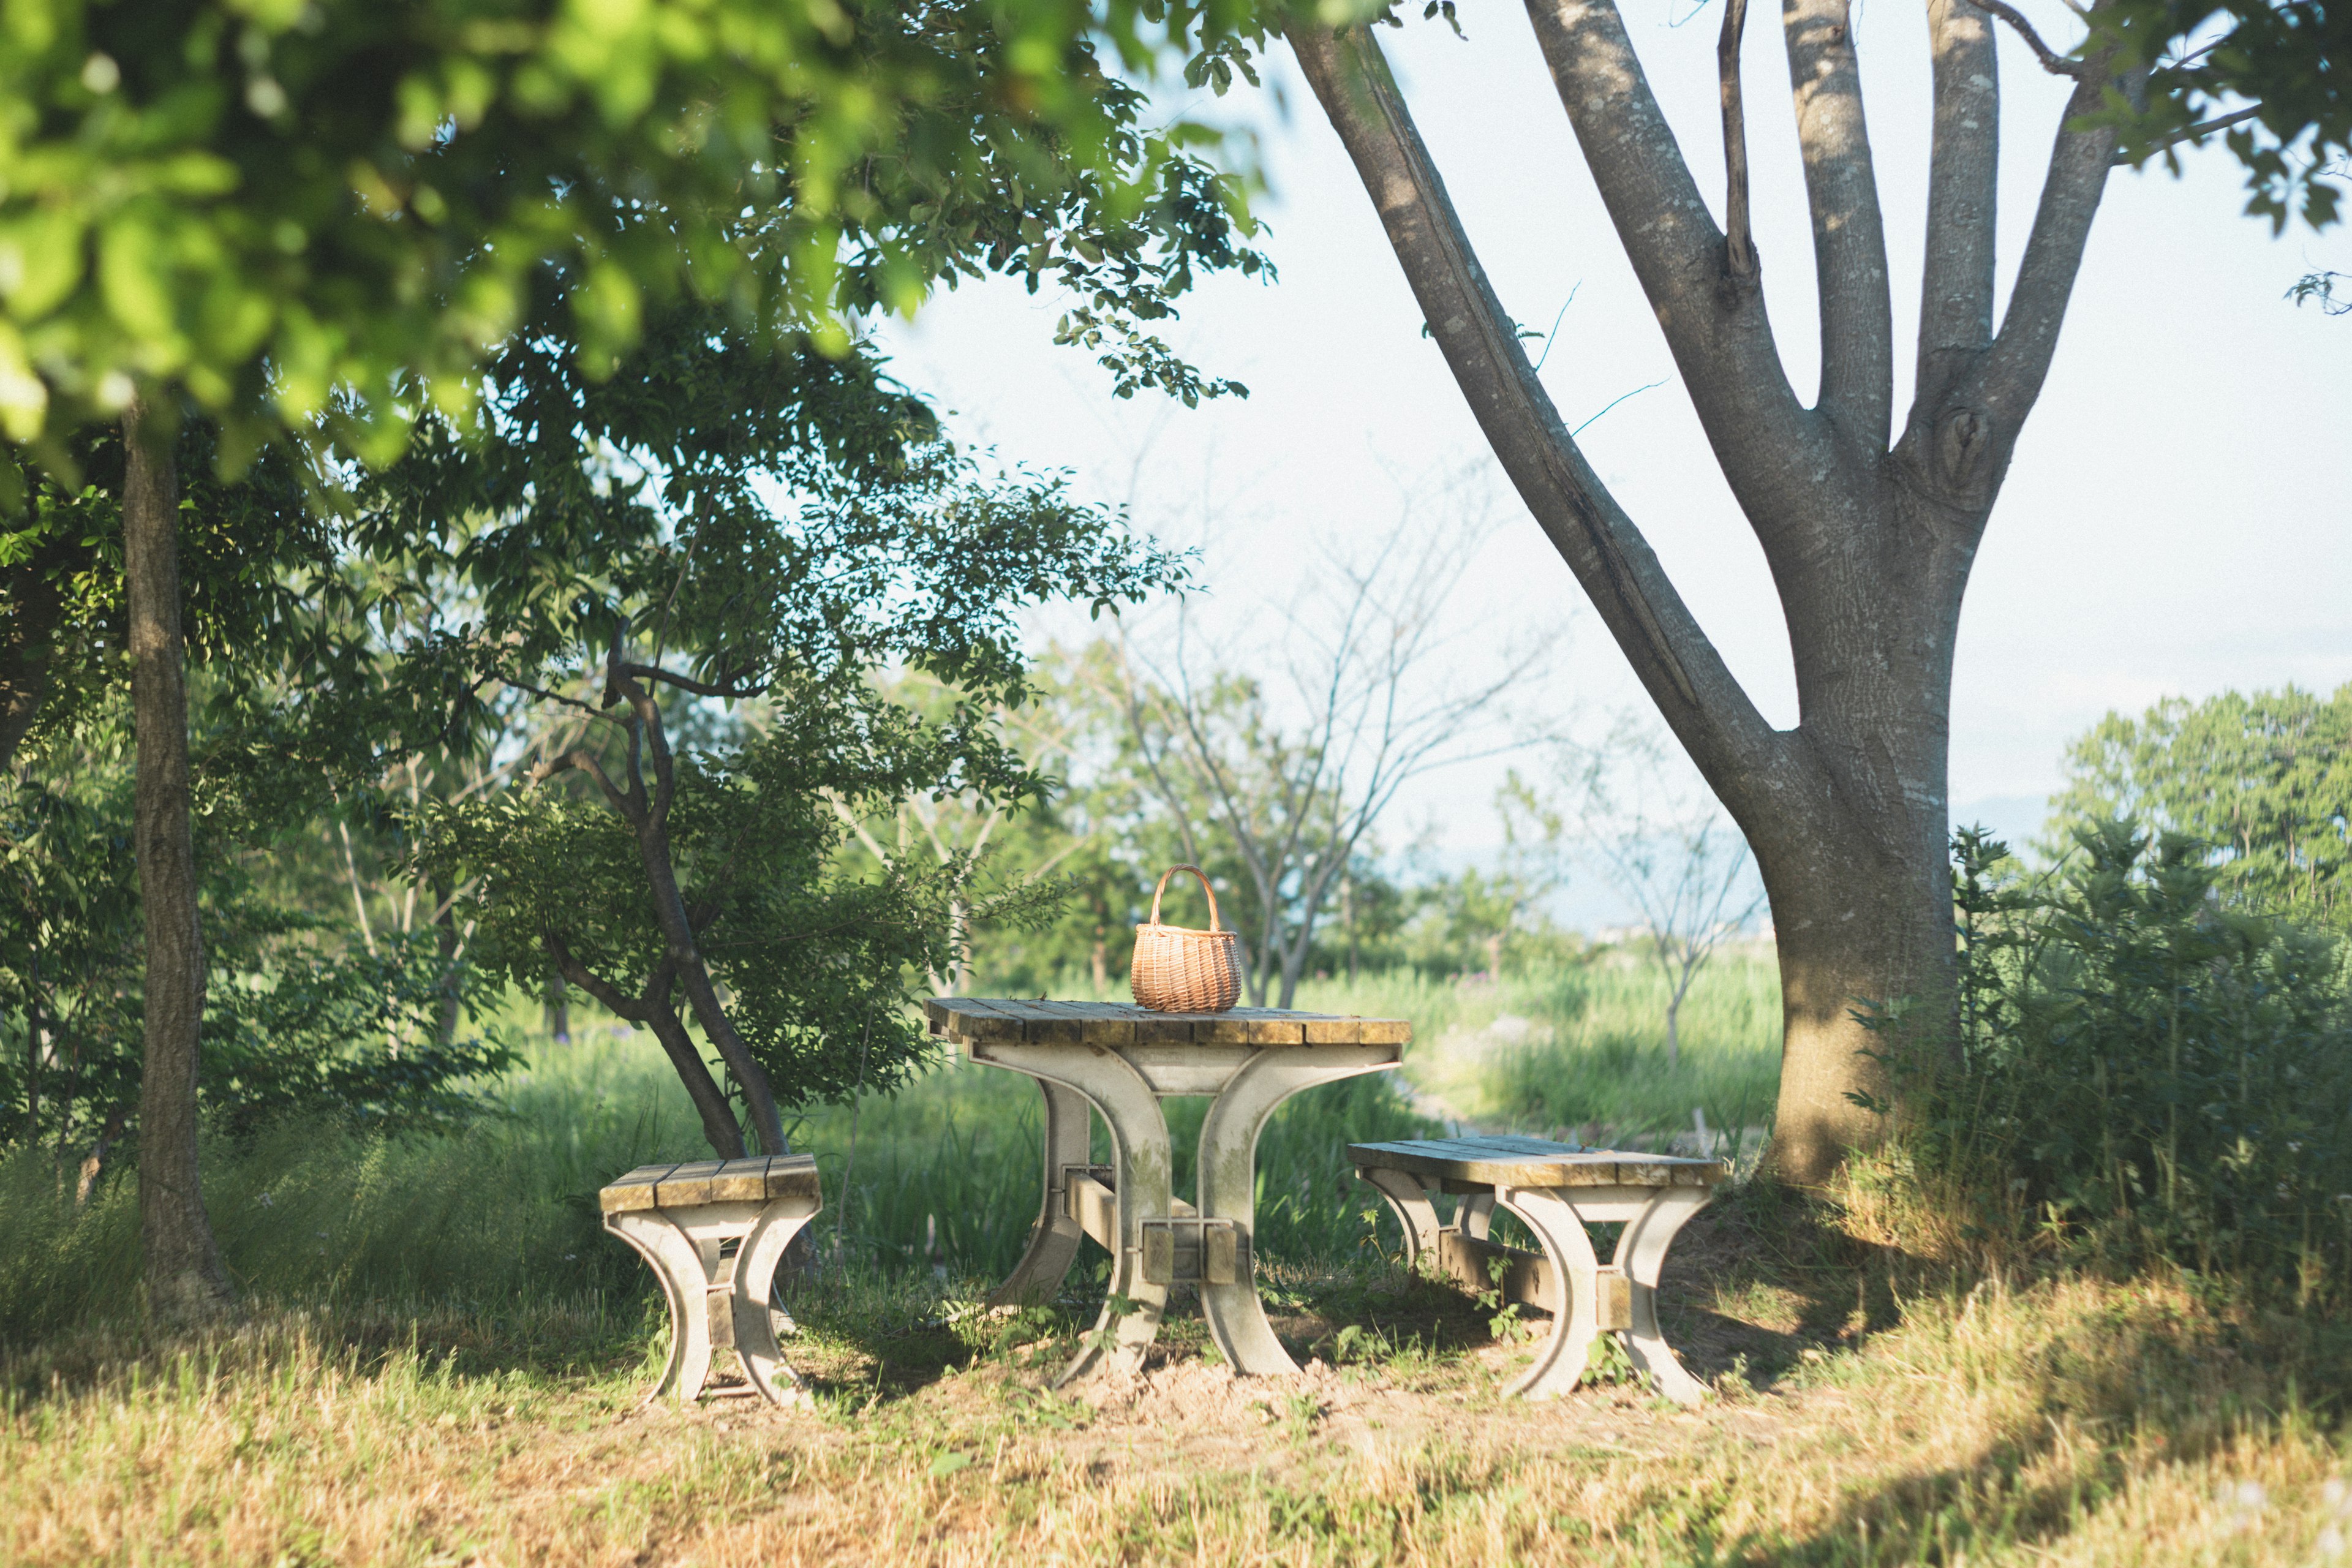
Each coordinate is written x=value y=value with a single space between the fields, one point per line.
x=1739 y=260
x=2190 y=133
x=723 y=688
x=581 y=757
x=651 y=1007
x=1963 y=178
x=1673 y=657
x=2052 y=60
x=1715 y=330
x=2009 y=378
x=1857 y=306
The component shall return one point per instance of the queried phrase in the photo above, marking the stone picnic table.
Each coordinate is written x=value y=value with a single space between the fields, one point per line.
x=1121 y=1061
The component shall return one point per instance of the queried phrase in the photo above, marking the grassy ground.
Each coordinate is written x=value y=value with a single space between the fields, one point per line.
x=445 y=1360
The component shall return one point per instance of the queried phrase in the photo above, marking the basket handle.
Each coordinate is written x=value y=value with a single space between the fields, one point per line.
x=1204 y=888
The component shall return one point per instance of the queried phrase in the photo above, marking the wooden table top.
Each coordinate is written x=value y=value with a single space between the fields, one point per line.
x=990 y=1020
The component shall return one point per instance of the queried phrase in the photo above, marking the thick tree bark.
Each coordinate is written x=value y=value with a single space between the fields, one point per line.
x=1869 y=547
x=186 y=1283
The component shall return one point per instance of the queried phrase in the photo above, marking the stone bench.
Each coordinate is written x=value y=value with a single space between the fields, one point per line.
x=1555 y=1189
x=714 y=1231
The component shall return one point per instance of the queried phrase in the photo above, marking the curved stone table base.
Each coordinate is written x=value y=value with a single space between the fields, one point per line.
x=1121 y=1063
x=713 y=1232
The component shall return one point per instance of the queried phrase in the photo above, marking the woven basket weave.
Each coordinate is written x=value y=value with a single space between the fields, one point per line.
x=1178 y=970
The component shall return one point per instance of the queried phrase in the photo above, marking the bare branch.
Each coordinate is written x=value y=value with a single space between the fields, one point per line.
x=590 y=708
x=1739 y=261
x=1857 y=306
x=2052 y=60
x=583 y=760
x=1670 y=654
x=2191 y=133
x=723 y=688
x=1957 y=288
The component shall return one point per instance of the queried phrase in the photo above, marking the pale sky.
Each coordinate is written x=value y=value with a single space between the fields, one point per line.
x=2175 y=520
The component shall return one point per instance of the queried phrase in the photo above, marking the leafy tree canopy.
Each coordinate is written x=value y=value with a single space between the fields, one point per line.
x=2265 y=779
x=336 y=211
x=2275 y=76
x=674 y=588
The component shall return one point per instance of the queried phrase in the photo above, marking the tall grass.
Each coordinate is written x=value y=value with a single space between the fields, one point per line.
x=945 y=1173
x=1582 y=1053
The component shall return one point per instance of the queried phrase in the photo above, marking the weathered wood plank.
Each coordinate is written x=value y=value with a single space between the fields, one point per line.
x=793 y=1175
x=738 y=1181
x=1534 y=1163
x=687 y=1186
x=627 y=1194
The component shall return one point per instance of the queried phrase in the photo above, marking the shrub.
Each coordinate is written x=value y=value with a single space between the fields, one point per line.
x=2145 y=1075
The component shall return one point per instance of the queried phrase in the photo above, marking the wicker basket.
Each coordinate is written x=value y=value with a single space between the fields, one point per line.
x=1177 y=970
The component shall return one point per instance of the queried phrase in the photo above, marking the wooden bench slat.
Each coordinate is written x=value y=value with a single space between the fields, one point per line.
x=1507 y=1159
x=632 y=1190
x=753 y=1180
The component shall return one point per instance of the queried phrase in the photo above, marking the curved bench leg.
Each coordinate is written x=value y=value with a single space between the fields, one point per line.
x=1559 y=1360
x=748 y=1300
x=1642 y=1253
x=1228 y=1190
x=1416 y=1216
x=1475 y=1215
x=1053 y=1244
x=677 y=1262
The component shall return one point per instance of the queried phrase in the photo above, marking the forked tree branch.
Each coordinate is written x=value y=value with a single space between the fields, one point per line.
x=2009 y=378
x=1857 y=306
x=725 y=687
x=1738 y=237
x=2052 y=60
x=1721 y=339
x=584 y=761
x=1673 y=657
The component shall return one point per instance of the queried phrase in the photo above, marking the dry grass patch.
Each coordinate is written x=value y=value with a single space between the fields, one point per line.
x=2071 y=1420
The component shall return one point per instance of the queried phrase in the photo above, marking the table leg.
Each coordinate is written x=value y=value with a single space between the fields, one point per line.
x=677 y=1262
x=755 y=1277
x=1575 y=1320
x=1641 y=1254
x=1053 y=1243
x=1473 y=1215
x=1139 y=1153
x=1229 y=1136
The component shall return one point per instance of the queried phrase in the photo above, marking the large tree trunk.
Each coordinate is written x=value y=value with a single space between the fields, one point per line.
x=1869 y=540
x=185 y=1283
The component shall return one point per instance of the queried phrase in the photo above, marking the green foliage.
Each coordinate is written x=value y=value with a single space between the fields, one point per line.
x=605 y=564
x=293 y=1030
x=2149 y=1074
x=332 y=209
x=296 y=1022
x=2287 y=59
x=2265 y=779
